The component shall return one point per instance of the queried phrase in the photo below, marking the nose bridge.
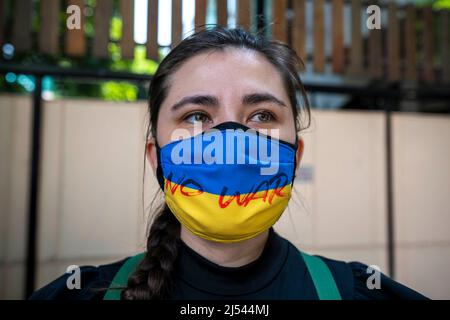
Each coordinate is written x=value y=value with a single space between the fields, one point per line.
x=231 y=108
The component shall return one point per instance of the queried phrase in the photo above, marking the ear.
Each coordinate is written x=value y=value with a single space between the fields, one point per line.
x=151 y=154
x=299 y=152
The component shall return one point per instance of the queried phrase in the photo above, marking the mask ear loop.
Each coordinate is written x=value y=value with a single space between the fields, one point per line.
x=295 y=161
x=159 y=171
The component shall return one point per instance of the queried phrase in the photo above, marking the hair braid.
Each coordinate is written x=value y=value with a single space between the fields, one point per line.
x=153 y=277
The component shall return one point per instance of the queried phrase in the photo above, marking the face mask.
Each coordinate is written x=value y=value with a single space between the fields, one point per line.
x=229 y=183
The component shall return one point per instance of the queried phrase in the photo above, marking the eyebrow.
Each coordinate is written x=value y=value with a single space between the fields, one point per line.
x=256 y=98
x=204 y=100
x=211 y=101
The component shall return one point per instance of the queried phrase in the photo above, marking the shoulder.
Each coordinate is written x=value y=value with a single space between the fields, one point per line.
x=94 y=282
x=371 y=284
x=341 y=272
x=363 y=282
x=358 y=281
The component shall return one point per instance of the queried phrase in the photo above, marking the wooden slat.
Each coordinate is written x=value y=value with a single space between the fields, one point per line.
x=299 y=28
x=338 y=36
x=21 y=33
x=393 y=44
x=127 y=41
x=445 y=45
x=75 y=41
x=152 y=30
x=102 y=20
x=319 y=39
x=279 y=26
x=200 y=14
x=356 y=67
x=177 y=22
x=243 y=14
x=428 y=42
x=49 y=27
x=375 y=52
x=222 y=13
x=410 y=44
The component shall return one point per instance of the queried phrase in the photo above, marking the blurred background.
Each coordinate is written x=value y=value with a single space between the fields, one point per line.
x=375 y=179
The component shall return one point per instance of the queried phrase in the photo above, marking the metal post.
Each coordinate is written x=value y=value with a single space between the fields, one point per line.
x=389 y=191
x=30 y=269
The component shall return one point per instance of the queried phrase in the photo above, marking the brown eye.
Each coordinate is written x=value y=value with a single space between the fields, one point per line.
x=262 y=117
x=197 y=117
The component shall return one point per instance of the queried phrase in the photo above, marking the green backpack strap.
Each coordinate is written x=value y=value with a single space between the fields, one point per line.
x=121 y=278
x=322 y=278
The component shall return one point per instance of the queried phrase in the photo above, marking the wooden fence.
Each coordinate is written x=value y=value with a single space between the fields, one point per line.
x=413 y=45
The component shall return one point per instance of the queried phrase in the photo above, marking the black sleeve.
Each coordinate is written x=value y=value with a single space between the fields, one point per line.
x=388 y=290
x=94 y=283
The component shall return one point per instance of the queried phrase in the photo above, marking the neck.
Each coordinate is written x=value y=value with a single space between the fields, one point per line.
x=226 y=254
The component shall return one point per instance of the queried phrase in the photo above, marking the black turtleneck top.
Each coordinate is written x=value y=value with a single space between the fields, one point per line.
x=278 y=274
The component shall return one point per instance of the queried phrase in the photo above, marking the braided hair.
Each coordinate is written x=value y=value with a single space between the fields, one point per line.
x=152 y=279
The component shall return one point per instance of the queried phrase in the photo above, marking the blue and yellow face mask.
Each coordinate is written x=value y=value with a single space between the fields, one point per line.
x=229 y=183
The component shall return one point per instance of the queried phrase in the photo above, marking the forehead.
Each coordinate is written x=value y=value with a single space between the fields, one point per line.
x=231 y=69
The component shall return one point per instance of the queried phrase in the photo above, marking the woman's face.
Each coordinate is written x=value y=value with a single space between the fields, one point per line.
x=231 y=85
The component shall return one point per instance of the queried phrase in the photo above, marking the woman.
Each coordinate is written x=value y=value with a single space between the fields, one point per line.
x=214 y=239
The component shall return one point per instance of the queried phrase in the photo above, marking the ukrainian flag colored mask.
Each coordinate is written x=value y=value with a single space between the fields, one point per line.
x=229 y=183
